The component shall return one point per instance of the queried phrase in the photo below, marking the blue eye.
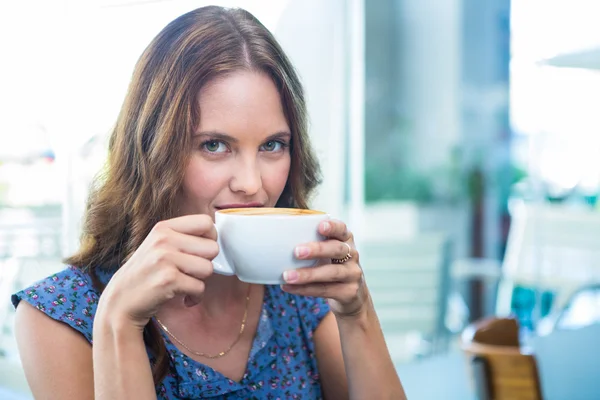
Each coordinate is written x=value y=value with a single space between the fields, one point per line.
x=272 y=146
x=214 y=146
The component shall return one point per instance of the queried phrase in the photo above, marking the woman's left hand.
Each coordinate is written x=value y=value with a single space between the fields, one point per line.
x=341 y=283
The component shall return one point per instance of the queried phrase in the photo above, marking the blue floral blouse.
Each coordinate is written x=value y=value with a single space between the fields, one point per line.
x=281 y=364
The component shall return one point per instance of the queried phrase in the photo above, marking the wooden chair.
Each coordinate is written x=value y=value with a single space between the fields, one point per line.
x=500 y=368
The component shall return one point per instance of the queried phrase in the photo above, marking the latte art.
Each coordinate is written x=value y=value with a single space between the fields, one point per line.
x=270 y=211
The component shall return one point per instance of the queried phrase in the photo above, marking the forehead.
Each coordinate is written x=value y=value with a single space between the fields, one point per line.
x=240 y=103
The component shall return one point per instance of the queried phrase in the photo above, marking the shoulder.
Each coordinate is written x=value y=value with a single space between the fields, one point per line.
x=67 y=296
x=56 y=356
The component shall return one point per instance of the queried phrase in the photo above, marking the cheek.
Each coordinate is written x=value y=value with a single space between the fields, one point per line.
x=275 y=177
x=202 y=181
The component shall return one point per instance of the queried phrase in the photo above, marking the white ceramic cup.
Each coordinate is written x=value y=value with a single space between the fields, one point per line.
x=257 y=244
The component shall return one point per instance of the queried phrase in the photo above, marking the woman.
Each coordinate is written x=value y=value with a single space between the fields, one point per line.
x=214 y=118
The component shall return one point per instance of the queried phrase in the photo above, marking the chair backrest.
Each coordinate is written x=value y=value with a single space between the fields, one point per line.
x=493 y=331
x=409 y=282
x=501 y=370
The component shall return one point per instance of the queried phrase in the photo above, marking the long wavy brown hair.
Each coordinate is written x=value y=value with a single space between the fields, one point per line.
x=151 y=142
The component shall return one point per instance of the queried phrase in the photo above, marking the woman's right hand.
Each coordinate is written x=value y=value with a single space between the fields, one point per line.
x=174 y=259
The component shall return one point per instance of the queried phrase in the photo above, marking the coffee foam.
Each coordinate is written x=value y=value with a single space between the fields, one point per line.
x=270 y=211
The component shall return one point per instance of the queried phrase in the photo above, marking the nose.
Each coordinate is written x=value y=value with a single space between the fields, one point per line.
x=246 y=177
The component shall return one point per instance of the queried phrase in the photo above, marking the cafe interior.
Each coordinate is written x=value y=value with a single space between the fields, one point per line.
x=460 y=140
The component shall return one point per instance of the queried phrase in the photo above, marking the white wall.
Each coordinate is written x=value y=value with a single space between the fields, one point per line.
x=312 y=34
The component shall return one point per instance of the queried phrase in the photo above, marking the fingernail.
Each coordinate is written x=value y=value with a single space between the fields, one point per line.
x=290 y=276
x=326 y=227
x=301 y=251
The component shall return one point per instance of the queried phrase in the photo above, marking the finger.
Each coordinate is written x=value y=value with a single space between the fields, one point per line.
x=335 y=229
x=190 y=287
x=194 y=245
x=342 y=292
x=194 y=266
x=197 y=267
x=324 y=249
x=324 y=274
x=197 y=225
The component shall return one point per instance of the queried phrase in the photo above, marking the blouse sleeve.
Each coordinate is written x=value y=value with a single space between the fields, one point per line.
x=67 y=296
x=311 y=311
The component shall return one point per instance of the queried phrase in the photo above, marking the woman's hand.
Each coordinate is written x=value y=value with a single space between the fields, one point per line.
x=341 y=283
x=174 y=259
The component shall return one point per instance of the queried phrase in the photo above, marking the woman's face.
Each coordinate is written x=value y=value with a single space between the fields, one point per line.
x=241 y=154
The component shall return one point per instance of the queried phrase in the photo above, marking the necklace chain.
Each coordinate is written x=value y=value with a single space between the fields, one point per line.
x=222 y=353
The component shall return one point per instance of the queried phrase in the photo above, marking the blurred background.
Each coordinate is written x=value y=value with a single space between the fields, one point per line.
x=459 y=139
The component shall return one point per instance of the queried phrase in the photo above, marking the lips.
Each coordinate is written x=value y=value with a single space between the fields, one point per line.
x=239 y=205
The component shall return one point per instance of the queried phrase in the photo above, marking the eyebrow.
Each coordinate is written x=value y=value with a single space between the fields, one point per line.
x=228 y=138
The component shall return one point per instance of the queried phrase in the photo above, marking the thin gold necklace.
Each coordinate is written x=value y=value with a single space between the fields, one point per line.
x=212 y=356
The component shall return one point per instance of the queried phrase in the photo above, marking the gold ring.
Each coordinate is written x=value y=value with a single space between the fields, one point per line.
x=345 y=259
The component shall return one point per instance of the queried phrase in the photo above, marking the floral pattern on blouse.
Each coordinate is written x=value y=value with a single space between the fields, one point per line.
x=281 y=364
